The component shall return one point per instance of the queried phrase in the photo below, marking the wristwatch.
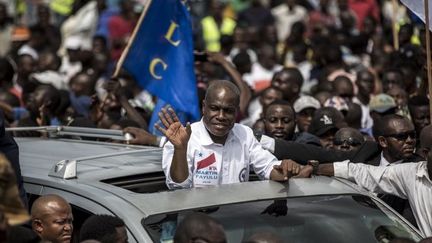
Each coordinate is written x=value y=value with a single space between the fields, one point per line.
x=314 y=164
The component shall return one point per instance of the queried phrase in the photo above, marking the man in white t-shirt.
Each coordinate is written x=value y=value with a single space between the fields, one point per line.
x=216 y=150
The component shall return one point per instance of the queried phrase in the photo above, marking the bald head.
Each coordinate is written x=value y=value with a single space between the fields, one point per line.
x=45 y=204
x=52 y=218
x=222 y=86
x=199 y=226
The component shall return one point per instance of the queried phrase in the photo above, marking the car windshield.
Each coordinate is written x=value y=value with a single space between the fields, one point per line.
x=342 y=218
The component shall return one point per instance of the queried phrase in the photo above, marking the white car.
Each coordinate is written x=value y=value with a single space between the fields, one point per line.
x=127 y=181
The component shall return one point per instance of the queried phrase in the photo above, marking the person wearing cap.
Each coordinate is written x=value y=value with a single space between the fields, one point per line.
x=410 y=181
x=70 y=64
x=325 y=123
x=337 y=102
x=305 y=107
x=381 y=105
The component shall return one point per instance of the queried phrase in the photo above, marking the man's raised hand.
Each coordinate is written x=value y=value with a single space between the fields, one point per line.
x=172 y=128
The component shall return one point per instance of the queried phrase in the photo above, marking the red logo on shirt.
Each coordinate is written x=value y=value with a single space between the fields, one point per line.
x=211 y=159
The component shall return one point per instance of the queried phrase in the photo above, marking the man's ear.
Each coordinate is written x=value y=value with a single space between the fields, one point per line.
x=37 y=226
x=382 y=141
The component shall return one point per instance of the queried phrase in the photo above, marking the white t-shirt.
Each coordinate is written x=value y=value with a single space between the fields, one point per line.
x=214 y=164
x=286 y=18
x=260 y=78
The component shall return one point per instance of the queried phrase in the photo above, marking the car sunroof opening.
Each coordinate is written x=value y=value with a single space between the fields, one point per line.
x=142 y=183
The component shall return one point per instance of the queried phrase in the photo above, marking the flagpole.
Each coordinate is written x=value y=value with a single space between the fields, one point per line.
x=428 y=53
x=131 y=40
x=394 y=20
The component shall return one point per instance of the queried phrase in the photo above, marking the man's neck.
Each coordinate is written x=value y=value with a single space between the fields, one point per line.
x=389 y=158
x=363 y=99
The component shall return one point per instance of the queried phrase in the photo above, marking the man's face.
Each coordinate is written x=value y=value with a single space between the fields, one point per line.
x=346 y=141
x=365 y=83
x=326 y=140
x=81 y=85
x=282 y=82
x=121 y=235
x=36 y=100
x=219 y=113
x=269 y=96
x=57 y=224
x=26 y=66
x=280 y=122
x=420 y=117
x=399 y=95
x=400 y=140
x=392 y=79
x=304 y=118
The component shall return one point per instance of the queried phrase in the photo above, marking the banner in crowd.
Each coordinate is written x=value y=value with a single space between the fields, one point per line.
x=418 y=7
x=161 y=55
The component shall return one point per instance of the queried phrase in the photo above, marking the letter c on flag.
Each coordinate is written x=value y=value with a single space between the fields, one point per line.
x=153 y=65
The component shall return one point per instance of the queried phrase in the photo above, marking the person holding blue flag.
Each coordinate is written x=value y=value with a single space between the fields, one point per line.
x=159 y=55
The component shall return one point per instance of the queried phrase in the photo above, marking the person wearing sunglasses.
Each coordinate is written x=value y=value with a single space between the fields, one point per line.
x=410 y=181
x=347 y=139
x=396 y=136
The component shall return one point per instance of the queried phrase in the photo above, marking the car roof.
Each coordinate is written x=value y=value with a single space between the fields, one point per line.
x=39 y=155
x=184 y=199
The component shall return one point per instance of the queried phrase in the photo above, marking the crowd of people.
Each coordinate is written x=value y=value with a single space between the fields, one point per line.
x=286 y=88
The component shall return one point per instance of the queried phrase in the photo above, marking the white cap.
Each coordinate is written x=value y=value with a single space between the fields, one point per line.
x=304 y=102
x=73 y=42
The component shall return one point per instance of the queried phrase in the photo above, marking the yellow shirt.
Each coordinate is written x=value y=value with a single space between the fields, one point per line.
x=212 y=34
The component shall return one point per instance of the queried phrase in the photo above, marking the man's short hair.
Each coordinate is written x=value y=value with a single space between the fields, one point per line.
x=381 y=126
x=281 y=103
x=223 y=84
x=101 y=228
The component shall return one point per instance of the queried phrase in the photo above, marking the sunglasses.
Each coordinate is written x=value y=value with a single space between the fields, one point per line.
x=349 y=141
x=403 y=136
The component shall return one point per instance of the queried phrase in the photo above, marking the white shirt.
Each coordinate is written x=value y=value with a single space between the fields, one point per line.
x=385 y=162
x=214 y=164
x=260 y=78
x=285 y=19
x=254 y=110
x=408 y=180
x=366 y=121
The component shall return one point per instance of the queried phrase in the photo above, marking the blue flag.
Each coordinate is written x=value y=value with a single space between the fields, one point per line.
x=161 y=56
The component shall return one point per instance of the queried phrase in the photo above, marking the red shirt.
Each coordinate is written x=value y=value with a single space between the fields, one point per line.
x=120 y=29
x=363 y=8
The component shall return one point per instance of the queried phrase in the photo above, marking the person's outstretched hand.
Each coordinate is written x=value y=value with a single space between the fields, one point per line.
x=141 y=136
x=174 y=131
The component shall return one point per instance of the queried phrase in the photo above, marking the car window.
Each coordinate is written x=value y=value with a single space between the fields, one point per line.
x=342 y=218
